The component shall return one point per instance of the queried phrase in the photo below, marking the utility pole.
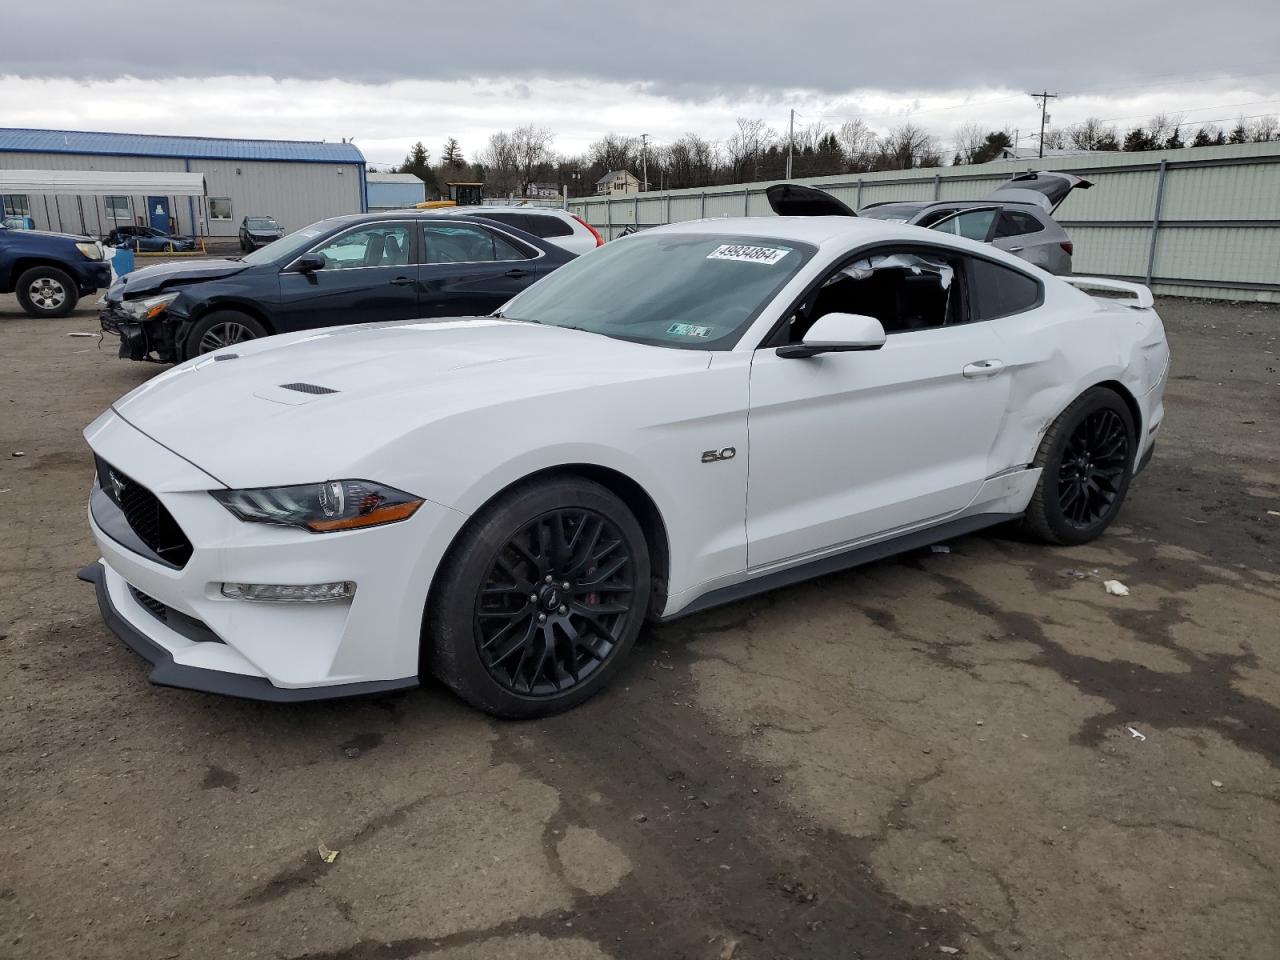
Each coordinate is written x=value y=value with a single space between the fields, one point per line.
x=791 y=143
x=644 y=161
x=1044 y=99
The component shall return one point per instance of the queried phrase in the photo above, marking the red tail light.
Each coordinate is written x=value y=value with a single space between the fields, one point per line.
x=595 y=233
x=1068 y=247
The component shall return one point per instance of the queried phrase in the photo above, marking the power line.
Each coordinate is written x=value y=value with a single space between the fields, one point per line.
x=1209 y=106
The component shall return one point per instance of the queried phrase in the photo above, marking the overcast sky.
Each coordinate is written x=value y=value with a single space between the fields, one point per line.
x=394 y=72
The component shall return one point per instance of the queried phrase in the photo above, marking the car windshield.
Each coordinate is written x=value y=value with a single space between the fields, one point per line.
x=691 y=291
x=290 y=245
x=261 y=223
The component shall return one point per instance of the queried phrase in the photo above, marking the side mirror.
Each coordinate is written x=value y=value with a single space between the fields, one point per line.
x=837 y=333
x=310 y=263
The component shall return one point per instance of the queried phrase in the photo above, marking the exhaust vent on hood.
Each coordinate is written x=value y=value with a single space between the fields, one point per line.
x=307 y=388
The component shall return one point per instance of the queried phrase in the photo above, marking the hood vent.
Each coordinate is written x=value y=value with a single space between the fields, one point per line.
x=307 y=388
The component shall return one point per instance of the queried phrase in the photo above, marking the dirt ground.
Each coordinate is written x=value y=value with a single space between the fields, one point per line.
x=937 y=755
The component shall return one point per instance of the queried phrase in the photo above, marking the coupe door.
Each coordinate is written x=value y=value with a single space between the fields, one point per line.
x=469 y=270
x=369 y=274
x=845 y=446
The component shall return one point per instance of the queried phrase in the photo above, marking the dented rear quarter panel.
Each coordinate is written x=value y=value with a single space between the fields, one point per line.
x=1074 y=342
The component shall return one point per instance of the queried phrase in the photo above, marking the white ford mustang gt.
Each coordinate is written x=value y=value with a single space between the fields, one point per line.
x=684 y=417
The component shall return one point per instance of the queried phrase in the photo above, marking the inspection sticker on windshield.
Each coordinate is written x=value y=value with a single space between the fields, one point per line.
x=688 y=330
x=746 y=254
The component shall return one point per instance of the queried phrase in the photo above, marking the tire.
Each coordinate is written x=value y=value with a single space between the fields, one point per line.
x=47 y=292
x=1086 y=462
x=490 y=648
x=221 y=328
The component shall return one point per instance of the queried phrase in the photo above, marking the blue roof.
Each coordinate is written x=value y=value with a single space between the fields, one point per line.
x=16 y=139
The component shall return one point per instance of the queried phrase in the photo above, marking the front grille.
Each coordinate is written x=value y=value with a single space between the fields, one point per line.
x=146 y=515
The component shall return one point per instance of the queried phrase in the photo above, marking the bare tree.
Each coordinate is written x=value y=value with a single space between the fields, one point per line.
x=1264 y=128
x=1055 y=139
x=613 y=152
x=690 y=162
x=501 y=163
x=532 y=148
x=969 y=138
x=809 y=136
x=747 y=146
x=1160 y=127
x=858 y=144
x=1090 y=134
x=908 y=146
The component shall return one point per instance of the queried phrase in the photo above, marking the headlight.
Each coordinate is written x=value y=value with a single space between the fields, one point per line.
x=147 y=308
x=321 y=507
x=91 y=251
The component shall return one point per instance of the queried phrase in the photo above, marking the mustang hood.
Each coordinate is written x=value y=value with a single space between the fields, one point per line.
x=323 y=404
x=165 y=275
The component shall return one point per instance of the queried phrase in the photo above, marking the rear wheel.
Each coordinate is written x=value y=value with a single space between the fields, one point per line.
x=540 y=600
x=221 y=328
x=47 y=292
x=1086 y=461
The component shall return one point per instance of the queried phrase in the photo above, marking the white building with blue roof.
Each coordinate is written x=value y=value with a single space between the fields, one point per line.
x=297 y=182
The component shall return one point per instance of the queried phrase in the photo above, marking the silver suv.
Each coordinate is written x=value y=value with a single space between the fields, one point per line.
x=1016 y=216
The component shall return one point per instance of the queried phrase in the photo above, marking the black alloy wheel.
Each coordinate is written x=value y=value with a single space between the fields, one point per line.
x=539 y=599
x=1086 y=462
x=1091 y=475
x=553 y=605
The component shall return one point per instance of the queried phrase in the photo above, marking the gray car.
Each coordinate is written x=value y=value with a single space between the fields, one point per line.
x=1016 y=216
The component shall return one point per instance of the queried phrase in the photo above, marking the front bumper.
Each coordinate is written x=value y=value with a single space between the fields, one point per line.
x=167 y=672
x=94 y=275
x=152 y=340
x=173 y=613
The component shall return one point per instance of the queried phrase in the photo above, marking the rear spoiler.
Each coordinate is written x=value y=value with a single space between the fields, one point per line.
x=1144 y=299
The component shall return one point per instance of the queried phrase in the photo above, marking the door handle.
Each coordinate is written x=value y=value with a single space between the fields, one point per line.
x=402 y=281
x=517 y=272
x=980 y=369
x=1013 y=249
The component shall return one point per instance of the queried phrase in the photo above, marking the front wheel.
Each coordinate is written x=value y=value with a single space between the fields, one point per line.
x=1086 y=461
x=47 y=292
x=540 y=600
x=221 y=328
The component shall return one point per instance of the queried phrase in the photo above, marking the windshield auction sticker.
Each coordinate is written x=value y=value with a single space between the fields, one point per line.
x=746 y=254
x=688 y=330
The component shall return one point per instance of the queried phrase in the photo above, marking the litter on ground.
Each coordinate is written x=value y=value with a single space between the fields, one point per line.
x=1116 y=588
x=1136 y=734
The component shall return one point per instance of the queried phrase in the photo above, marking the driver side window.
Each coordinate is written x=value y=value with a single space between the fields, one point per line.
x=905 y=290
x=380 y=245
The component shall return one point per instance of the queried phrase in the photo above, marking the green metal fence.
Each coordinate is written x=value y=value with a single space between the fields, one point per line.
x=1196 y=222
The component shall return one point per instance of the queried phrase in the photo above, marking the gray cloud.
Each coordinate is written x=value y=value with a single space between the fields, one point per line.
x=690 y=50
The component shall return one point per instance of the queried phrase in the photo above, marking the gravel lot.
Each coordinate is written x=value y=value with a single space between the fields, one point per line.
x=926 y=756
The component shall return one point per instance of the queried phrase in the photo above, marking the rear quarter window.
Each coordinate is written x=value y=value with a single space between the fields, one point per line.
x=1001 y=291
x=1015 y=224
x=542 y=225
